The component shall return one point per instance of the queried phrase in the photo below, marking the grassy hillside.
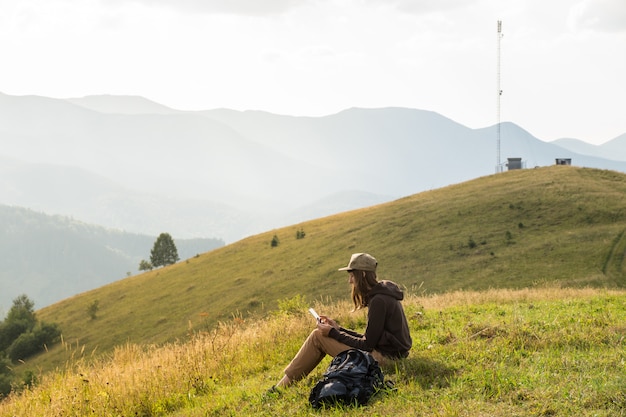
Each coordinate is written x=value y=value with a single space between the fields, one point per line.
x=558 y=225
x=508 y=353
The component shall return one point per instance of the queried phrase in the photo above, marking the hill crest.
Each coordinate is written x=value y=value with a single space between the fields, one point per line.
x=517 y=229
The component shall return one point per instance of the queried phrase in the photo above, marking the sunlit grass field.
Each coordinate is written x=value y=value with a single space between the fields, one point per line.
x=539 y=352
x=515 y=297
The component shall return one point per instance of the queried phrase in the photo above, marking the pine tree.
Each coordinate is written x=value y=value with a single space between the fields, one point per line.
x=164 y=251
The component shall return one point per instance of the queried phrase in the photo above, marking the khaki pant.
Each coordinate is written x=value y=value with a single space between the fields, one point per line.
x=313 y=350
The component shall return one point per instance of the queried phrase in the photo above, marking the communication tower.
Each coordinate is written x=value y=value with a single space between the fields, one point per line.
x=499 y=165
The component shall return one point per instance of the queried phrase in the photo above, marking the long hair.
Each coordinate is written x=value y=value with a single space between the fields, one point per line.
x=364 y=281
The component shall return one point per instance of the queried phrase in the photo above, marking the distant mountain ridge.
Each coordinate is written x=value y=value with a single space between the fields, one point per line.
x=613 y=149
x=143 y=167
x=76 y=192
x=122 y=105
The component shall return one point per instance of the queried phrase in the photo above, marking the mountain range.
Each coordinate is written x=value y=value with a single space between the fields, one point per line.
x=138 y=167
x=135 y=165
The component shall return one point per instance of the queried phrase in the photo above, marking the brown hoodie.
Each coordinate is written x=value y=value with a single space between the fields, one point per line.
x=387 y=329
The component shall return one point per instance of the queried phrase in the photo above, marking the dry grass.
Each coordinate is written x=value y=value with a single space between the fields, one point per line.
x=524 y=295
x=458 y=362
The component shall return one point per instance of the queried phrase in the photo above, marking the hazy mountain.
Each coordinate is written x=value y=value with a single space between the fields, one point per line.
x=122 y=105
x=50 y=258
x=177 y=155
x=142 y=167
x=91 y=198
x=398 y=151
x=578 y=146
x=617 y=147
x=614 y=149
x=333 y=204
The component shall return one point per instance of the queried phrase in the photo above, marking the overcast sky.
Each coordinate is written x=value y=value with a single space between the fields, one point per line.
x=563 y=62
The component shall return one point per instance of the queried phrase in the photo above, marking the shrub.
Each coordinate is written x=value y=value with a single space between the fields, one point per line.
x=23 y=347
x=145 y=265
x=92 y=310
x=293 y=305
x=6 y=375
x=10 y=331
x=30 y=343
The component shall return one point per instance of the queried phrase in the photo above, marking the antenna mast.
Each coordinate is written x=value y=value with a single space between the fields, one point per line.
x=498 y=95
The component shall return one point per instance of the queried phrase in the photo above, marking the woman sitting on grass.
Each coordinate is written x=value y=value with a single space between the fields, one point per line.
x=386 y=335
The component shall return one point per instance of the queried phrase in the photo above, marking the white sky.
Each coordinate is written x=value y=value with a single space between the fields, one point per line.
x=563 y=62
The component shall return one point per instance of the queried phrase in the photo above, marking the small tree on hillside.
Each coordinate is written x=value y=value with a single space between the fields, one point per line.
x=145 y=265
x=164 y=251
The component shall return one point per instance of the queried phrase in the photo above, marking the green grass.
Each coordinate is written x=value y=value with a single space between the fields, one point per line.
x=541 y=352
x=555 y=226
